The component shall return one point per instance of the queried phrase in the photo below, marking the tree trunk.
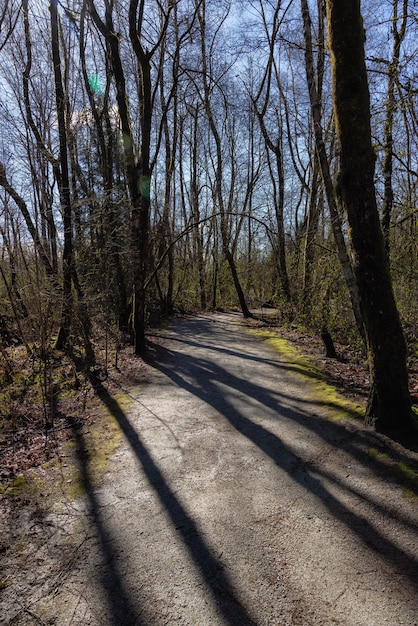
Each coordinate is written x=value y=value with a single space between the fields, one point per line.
x=225 y=234
x=194 y=200
x=170 y=143
x=275 y=146
x=106 y=146
x=39 y=247
x=279 y=205
x=141 y=212
x=389 y=405
x=311 y=233
x=64 y=187
x=330 y=191
x=138 y=174
x=393 y=71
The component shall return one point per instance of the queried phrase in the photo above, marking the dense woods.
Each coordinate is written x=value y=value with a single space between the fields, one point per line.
x=175 y=156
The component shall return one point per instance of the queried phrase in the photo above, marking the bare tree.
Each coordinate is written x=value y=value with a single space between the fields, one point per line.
x=138 y=163
x=62 y=169
x=9 y=15
x=391 y=104
x=107 y=150
x=20 y=202
x=261 y=102
x=208 y=82
x=330 y=191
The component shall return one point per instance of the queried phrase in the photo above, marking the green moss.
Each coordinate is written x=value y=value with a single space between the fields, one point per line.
x=106 y=439
x=15 y=488
x=100 y=442
x=377 y=455
x=408 y=478
x=405 y=474
x=336 y=407
x=82 y=460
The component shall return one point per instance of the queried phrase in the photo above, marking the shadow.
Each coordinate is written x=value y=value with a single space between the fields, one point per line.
x=212 y=570
x=377 y=506
x=203 y=378
x=192 y=326
x=407 y=438
x=121 y=608
x=154 y=350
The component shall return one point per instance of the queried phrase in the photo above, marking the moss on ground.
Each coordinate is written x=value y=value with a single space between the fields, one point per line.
x=336 y=407
x=415 y=416
x=88 y=454
x=80 y=462
x=406 y=474
x=15 y=487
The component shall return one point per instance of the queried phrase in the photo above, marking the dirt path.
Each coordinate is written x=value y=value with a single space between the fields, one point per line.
x=232 y=501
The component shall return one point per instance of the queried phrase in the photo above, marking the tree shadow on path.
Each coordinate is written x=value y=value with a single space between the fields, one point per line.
x=122 y=609
x=229 y=606
x=203 y=378
x=190 y=337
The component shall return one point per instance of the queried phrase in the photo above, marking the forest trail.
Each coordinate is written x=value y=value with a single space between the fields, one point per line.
x=232 y=501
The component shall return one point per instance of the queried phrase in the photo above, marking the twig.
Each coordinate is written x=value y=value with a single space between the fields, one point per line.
x=32 y=614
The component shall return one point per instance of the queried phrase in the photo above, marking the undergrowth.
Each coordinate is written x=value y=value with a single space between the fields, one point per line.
x=41 y=398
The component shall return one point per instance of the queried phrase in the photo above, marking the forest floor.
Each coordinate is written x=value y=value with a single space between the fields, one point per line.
x=222 y=483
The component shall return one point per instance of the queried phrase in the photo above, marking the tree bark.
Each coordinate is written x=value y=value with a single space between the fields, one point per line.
x=106 y=146
x=194 y=201
x=64 y=186
x=138 y=173
x=389 y=406
x=330 y=192
x=310 y=236
x=170 y=145
x=393 y=71
x=33 y=231
x=8 y=20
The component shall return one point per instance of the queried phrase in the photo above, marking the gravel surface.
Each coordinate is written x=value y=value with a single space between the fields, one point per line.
x=231 y=501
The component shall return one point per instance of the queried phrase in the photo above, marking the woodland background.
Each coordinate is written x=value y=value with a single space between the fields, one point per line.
x=210 y=101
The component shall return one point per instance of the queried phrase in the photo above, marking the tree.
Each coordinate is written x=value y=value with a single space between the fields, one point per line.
x=104 y=134
x=9 y=14
x=393 y=75
x=43 y=255
x=194 y=191
x=336 y=222
x=389 y=406
x=225 y=207
x=62 y=170
x=274 y=145
x=139 y=164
